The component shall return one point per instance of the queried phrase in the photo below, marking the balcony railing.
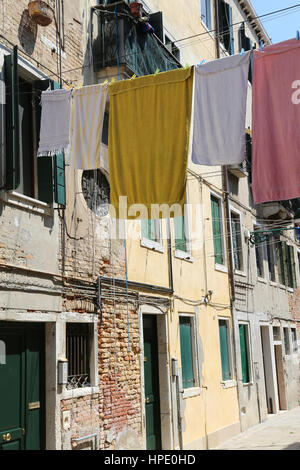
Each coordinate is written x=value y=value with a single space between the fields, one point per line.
x=122 y=42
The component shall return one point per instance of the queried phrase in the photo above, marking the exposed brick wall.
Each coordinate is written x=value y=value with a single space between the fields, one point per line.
x=117 y=407
x=18 y=28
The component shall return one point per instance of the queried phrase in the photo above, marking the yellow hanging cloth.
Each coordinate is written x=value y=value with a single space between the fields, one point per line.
x=149 y=128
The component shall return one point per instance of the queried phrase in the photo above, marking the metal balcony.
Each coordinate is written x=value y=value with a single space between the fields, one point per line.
x=121 y=43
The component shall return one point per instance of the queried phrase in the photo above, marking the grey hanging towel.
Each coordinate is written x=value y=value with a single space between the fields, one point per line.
x=220 y=111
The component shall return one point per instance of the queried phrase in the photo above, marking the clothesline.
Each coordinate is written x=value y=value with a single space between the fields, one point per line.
x=150 y=120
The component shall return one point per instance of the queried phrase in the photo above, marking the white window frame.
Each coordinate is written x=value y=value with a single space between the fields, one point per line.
x=231 y=382
x=237 y=212
x=189 y=392
x=220 y=267
x=151 y=244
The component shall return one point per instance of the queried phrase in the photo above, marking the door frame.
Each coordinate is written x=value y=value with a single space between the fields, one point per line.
x=269 y=366
x=164 y=375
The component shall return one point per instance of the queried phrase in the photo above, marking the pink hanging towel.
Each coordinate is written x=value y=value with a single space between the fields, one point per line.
x=276 y=122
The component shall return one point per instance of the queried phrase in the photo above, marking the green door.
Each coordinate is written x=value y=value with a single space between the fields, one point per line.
x=21 y=386
x=152 y=406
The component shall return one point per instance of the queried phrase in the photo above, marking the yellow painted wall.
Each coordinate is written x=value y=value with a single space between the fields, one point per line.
x=216 y=407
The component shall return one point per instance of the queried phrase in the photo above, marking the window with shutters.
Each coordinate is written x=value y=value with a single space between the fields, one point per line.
x=206 y=13
x=188 y=351
x=40 y=178
x=151 y=236
x=259 y=256
x=225 y=26
x=237 y=245
x=286 y=264
x=218 y=230
x=225 y=349
x=298 y=257
x=245 y=352
x=182 y=237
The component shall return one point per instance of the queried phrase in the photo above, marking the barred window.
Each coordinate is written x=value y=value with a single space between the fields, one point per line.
x=78 y=353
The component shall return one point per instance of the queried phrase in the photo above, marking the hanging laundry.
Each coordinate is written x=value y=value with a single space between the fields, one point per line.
x=276 y=122
x=220 y=111
x=148 y=139
x=55 y=122
x=87 y=114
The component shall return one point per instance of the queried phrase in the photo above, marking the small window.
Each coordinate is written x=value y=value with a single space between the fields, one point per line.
x=286 y=336
x=187 y=352
x=276 y=333
x=294 y=340
x=226 y=27
x=286 y=264
x=151 y=230
x=206 y=13
x=180 y=235
x=237 y=246
x=245 y=352
x=225 y=350
x=78 y=355
x=217 y=226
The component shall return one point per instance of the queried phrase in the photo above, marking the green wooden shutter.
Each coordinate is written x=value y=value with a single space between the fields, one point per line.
x=285 y=256
x=244 y=354
x=292 y=266
x=186 y=350
x=226 y=374
x=180 y=240
x=144 y=228
x=59 y=179
x=217 y=230
x=59 y=169
x=12 y=120
x=279 y=262
x=44 y=164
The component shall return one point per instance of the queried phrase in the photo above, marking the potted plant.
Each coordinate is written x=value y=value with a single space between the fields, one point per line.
x=40 y=12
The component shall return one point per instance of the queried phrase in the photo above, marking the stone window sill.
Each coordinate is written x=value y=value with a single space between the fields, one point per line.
x=191 y=392
x=27 y=203
x=152 y=245
x=221 y=268
x=229 y=384
x=79 y=392
x=183 y=255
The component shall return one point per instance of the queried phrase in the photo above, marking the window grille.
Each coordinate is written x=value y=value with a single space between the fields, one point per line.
x=78 y=352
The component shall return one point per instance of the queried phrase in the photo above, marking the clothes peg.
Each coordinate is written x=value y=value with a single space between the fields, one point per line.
x=156 y=72
x=201 y=63
x=297 y=35
x=261 y=46
x=133 y=77
x=187 y=66
x=242 y=52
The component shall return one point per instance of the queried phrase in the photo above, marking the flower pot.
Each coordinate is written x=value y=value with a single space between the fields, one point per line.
x=40 y=12
x=136 y=9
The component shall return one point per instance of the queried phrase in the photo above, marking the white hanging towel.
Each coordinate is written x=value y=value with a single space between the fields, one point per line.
x=87 y=114
x=220 y=111
x=55 y=122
